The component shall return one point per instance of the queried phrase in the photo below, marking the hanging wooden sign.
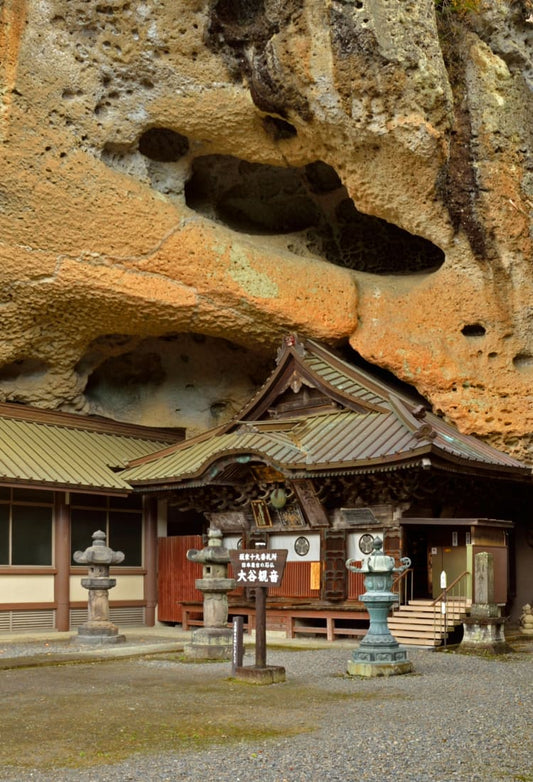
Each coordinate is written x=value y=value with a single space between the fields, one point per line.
x=261 y=514
x=291 y=516
x=258 y=567
x=309 y=502
x=315 y=575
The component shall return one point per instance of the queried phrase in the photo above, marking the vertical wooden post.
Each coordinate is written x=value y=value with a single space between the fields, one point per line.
x=260 y=627
x=62 y=561
x=150 y=559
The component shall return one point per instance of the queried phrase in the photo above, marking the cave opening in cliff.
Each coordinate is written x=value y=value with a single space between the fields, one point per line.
x=176 y=379
x=163 y=145
x=311 y=205
x=23 y=368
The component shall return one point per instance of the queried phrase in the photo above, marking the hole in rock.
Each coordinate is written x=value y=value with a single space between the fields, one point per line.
x=23 y=368
x=128 y=370
x=177 y=379
x=279 y=128
x=239 y=11
x=102 y=348
x=217 y=409
x=474 y=330
x=311 y=202
x=523 y=360
x=163 y=144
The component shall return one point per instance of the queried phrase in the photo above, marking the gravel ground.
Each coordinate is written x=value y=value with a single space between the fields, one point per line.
x=456 y=717
x=18 y=652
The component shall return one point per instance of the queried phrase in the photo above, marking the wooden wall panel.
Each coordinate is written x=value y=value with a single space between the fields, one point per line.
x=176 y=575
x=356 y=586
x=296 y=582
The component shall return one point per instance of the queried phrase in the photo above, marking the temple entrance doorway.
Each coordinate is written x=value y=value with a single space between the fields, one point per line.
x=450 y=545
x=416 y=547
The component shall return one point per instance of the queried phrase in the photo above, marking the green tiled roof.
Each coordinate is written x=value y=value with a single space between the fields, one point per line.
x=72 y=452
x=374 y=427
x=191 y=461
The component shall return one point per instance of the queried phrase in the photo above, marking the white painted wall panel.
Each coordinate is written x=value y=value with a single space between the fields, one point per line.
x=26 y=589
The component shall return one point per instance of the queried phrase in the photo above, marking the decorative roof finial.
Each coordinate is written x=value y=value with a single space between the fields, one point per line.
x=290 y=341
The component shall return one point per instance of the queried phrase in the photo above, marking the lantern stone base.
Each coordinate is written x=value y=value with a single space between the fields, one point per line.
x=210 y=643
x=484 y=634
x=270 y=674
x=373 y=669
x=382 y=657
x=94 y=633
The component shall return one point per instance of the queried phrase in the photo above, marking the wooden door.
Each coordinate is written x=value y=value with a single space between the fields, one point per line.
x=334 y=580
x=176 y=576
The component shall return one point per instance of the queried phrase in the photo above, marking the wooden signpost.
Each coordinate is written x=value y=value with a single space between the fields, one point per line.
x=259 y=568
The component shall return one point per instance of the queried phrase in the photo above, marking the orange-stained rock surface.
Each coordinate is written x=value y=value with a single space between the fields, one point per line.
x=181 y=179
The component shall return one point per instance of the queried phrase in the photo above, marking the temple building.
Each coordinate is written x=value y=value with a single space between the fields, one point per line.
x=321 y=460
x=60 y=481
x=325 y=457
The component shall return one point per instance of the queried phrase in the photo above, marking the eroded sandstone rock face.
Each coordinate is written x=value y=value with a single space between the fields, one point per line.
x=183 y=178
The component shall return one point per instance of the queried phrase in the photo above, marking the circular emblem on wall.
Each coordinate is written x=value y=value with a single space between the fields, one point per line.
x=366 y=543
x=301 y=546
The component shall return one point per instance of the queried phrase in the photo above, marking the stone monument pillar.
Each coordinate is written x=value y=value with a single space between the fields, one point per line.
x=213 y=641
x=379 y=653
x=98 y=629
x=483 y=629
x=526 y=620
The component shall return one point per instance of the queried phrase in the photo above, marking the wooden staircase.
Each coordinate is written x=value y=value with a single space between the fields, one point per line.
x=421 y=623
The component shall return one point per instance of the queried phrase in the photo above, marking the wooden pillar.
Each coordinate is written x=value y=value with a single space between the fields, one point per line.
x=260 y=627
x=62 y=560
x=150 y=559
x=392 y=542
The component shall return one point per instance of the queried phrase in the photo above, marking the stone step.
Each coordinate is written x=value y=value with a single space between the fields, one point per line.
x=417 y=627
x=429 y=609
x=429 y=601
x=426 y=643
x=427 y=614
x=417 y=619
x=421 y=623
x=411 y=631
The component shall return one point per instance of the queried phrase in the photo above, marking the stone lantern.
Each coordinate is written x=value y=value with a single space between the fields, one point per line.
x=98 y=629
x=379 y=654
x=213 y=641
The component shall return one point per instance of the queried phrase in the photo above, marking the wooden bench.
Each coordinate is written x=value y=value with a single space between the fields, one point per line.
x=193 y=615
x=294 y=620
x=305 y=622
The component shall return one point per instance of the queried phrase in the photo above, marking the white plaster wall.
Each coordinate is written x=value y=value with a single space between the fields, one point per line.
x=287 y=541
x=352 y=544
x=26 y=589
x=127 y=588
x=231 y=541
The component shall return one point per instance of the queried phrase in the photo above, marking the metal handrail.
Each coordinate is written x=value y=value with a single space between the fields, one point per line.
x=451 y=586
x=403 y=585
x=442 y=599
